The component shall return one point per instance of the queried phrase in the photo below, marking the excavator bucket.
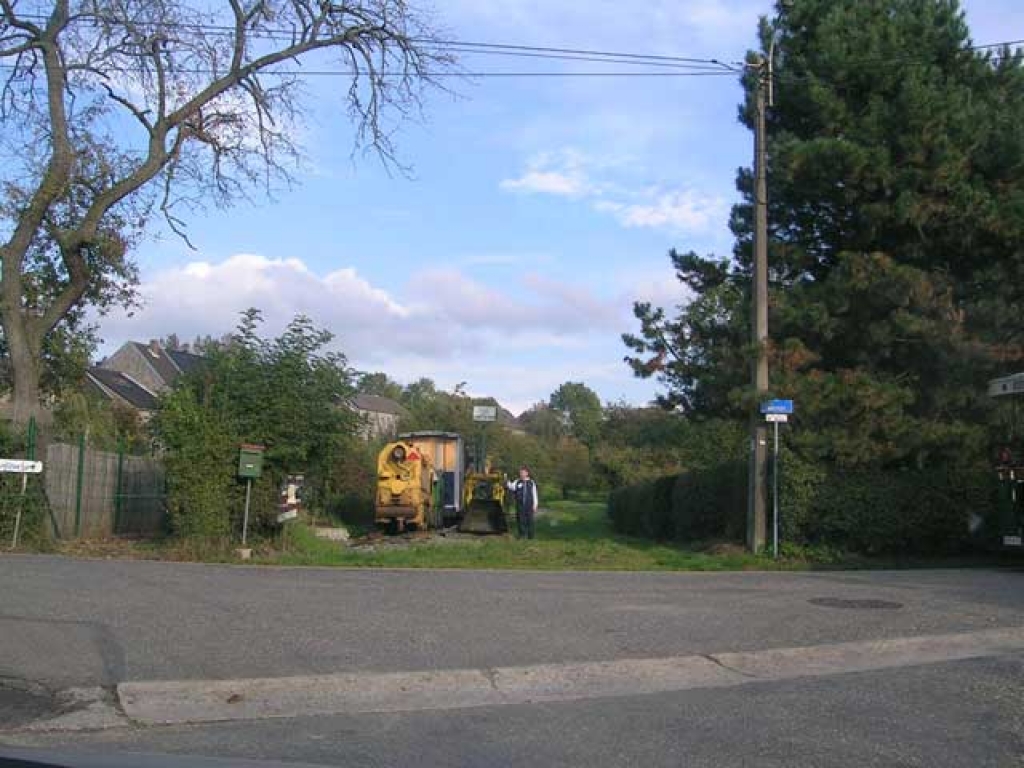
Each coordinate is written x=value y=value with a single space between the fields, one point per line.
x=484 y=504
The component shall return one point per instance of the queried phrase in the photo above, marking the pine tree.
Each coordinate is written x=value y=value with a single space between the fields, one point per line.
x=896 y=214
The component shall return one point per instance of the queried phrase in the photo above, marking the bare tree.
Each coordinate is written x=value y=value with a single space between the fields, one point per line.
x=112 y=110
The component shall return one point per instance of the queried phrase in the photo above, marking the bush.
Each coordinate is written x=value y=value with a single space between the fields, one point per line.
x=354 y=509
x=912 y=512
x=711 y=504
x=631 y=510
x=868 y=511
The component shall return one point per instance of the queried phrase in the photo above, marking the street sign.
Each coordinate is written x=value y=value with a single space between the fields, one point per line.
x=778 y=418
x=288 y=514
x=777 y=406
x=1007 y=385
x=485 y=413
x=21 y=466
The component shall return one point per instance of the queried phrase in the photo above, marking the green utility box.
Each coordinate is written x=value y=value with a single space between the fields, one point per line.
x=250 y=461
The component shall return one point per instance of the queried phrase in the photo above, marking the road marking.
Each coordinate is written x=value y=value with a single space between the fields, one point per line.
x=202 y=701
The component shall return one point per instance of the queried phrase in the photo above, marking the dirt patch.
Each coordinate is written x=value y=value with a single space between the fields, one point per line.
x=112 y=547
x=725 y=549
x=376 y=541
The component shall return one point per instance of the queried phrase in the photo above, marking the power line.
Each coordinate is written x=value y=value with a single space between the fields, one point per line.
x=466 y=46
x=430 y=75
x=606 y=60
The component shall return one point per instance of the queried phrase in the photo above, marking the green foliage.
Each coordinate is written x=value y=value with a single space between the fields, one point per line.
x=544 y=422
x=379 y=384
x=287 y=394
x=34 y=530
x=582 y=407
x=689 y=507
x=865 y=511
x=201 y=456
x=108 y=425
x=711 y=503
x=896 y=206
x=572 y=469
x=896 y=202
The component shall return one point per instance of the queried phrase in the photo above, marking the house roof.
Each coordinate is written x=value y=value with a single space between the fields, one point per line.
x=124 y=387
x=186 y=361
x=377 y=404
x=157 y=357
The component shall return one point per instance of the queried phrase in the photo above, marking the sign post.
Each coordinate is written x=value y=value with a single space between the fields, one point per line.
x=24 y=468
x=250 y=466
x=483 y=414
x=776 y=412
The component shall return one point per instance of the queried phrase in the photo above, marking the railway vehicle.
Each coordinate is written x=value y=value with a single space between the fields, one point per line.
x=407 y=487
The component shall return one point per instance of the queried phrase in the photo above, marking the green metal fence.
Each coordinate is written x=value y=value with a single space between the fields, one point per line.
x=82 y=492
x=94 y=493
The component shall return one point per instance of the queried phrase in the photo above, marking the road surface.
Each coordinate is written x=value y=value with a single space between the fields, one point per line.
x=347 y=667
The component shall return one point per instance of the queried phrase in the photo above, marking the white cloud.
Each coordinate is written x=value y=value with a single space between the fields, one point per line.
x=550 y=182
x=516 y=342
x=562 y=173
x=571 y=174
x=438 y=314
x=682 y=211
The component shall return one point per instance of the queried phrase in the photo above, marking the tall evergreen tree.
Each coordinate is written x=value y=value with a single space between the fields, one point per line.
x=896 y=243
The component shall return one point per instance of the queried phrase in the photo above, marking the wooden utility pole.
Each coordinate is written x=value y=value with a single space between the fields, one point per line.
x=757 y=502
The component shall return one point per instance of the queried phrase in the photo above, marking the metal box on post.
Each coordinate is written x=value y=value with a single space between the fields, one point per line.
x=250 y=461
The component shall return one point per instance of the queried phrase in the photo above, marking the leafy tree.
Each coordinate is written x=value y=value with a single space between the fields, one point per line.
x=896 y=207
x=111 y=111
x=543 y=421
x=572 y=466
x=108 y=425
x=379 y=384
x=286 y=393
x=582 y=407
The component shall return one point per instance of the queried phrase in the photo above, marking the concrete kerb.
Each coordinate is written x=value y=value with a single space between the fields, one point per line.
x=201 y=701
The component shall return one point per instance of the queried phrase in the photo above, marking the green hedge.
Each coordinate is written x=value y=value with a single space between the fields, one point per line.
x=866 y=511
x=686 y=507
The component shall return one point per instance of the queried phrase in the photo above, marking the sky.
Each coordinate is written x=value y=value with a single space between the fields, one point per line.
x=536 y=211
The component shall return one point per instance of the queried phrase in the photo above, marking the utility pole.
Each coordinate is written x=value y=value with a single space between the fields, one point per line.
x=756 y=497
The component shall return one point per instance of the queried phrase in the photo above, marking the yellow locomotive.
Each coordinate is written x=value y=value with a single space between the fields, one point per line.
x=406 y=487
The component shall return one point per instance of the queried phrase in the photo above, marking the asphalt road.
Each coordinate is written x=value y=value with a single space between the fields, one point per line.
x=83 y=623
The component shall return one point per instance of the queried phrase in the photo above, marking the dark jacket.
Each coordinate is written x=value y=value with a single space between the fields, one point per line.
x=525 y=492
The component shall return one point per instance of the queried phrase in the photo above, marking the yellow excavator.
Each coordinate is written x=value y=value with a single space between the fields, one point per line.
x=483 y=503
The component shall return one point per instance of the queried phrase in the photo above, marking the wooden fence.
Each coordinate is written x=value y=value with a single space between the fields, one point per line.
x=95 y=493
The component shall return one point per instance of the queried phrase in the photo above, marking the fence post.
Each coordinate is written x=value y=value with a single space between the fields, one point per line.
x=117 y=488
x=30 y=439
x=78 y=486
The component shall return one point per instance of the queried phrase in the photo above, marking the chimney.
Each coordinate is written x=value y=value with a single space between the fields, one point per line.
x=154 y=348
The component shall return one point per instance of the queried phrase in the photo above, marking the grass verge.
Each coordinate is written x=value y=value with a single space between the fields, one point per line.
x=571 y=535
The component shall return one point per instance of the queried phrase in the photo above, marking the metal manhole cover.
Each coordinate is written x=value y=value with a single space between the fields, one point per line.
x=862 y=605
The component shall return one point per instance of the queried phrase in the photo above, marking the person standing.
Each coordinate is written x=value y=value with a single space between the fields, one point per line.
x=525 y=491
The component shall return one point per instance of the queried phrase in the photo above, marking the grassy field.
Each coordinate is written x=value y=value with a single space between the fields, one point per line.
x=570 y=535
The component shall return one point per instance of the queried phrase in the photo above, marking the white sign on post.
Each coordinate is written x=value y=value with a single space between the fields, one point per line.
x=778 y=418
x=485 y=413
x=21 y=466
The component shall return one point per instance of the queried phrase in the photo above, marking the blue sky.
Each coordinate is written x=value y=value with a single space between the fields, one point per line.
x=538 y=209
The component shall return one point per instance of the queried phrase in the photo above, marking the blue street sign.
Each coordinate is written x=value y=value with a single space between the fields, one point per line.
x=777 y=406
